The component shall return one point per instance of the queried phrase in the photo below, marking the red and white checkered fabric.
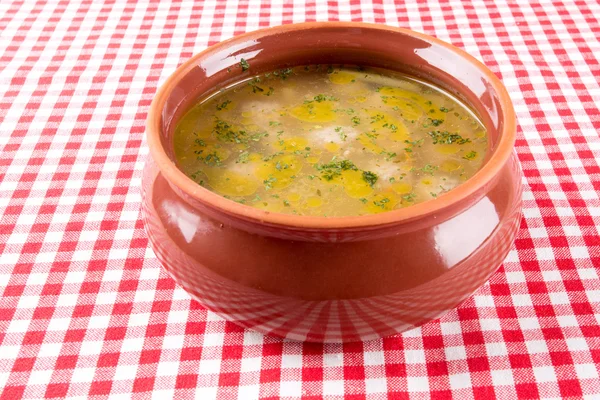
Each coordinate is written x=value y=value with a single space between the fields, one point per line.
x=86 y=310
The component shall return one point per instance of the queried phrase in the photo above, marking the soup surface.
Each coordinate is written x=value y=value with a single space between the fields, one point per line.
x=330 y=141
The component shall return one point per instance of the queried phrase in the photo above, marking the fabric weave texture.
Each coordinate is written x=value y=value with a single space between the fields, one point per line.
x=86 y=310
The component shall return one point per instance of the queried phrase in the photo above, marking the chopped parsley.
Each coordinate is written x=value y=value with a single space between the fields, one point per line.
x=339 y=130
x=389 y=155
x=334 y=168
x=376 y=118
x=243 y=157
x=429 y=169
x=279 y=166
x=444 y=109
x=381 y=203
x=254 y=85
x=211 y=159
x=355 y=120
x=445 y=137
x=470 y=155
x=269 y=182
x=244 y=64
x=283 y=73
x=369 y=177
x=321 y=97
x=433 y=122
x=409 y=197
x=226 y=133
x=223 y=105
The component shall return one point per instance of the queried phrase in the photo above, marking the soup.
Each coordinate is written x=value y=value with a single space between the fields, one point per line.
x=330 y=141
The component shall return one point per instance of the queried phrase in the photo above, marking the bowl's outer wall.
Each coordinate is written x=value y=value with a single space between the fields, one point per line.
x=332 y=285
x=327 y=291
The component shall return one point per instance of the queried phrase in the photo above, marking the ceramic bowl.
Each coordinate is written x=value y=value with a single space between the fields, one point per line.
x=332 y=279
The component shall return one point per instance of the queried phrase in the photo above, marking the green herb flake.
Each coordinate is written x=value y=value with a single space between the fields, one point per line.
x=223 y=105
x=470 y=155
x=445 y=137
x=409 y=197
x=369 y=177
x=243 y=158
x=334 y=168
x=321 y=97
x=381 y=203
x=283 y=73
x=429 y=169
x=433 y=122
x=269 y=182
x=244 y=64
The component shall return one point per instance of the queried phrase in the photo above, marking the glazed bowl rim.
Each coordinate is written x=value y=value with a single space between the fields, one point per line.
x=189 y=187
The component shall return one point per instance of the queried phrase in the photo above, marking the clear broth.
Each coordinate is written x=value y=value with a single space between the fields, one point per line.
x=330 y=141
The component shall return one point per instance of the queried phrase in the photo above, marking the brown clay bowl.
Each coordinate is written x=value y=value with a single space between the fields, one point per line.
x=332 y=279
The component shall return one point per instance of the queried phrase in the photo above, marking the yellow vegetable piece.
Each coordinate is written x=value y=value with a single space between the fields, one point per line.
x=312 y=159
x=341 y=77
x=431 y=110
x=409 y=109
x=402 y=187
x=230 y=183
x=314 y=112
x=278 y=172
x=381 y=202
x=450 y=165
x=354 y=184
x=332 y=147
x=369 y=144
x=294 y=197
x=292 y=144
x=254 y=157
x=447 y=148
x=314 y=202
x=426 y=181
x=385 y=123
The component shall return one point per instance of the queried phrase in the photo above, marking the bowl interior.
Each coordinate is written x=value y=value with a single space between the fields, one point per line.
x=415 y=54
x=397 y=51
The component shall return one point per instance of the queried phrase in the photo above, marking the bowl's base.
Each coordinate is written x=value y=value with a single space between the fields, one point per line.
x=331 y=292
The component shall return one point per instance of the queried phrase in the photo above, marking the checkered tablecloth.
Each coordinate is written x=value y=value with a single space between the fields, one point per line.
x=86 y=310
